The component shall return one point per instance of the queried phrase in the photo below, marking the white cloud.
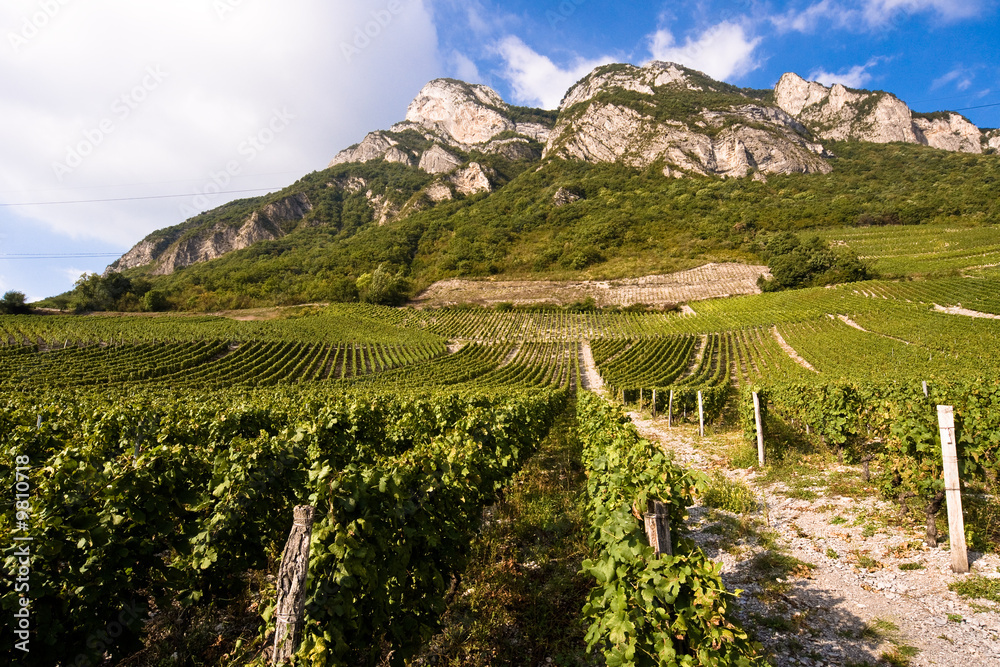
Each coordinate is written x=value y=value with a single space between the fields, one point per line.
x=855 y=77
x=881 y=11
x=869 y=14
x=959 y=76
x=723 y=51
x=464 y=68
x=809 y=18
x=535 y=79
x=341 y=68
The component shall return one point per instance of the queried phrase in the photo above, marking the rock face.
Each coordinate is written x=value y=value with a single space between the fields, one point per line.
x=458 y=118
x=168 y=254
x=437 y=160
x=468 y=114
x=376 y=145
x=840 y=114
x=731 y=140
x=563 y=197
x=472 y=180
x=991 y=139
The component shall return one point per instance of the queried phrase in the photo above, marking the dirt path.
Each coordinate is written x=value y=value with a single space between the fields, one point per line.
x=790 y=351
x=851 y=323
x=839 y=613
x=589 y=377
x=953 y=310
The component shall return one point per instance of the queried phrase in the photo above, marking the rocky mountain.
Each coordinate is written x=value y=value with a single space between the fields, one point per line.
x=841 y=114
x=667 y=114
x=460 y=140
x=165 y=253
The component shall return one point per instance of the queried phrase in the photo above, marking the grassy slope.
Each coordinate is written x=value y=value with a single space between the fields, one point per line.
x=629 y=223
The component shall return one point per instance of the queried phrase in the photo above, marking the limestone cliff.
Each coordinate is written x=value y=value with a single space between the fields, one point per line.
x=168 y=252
x=665 y=113
x=838 y=113
x=455 y=117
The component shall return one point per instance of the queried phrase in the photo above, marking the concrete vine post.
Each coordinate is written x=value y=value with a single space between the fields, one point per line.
x=670 y=410
x=291 y=605
x=952 y=488
x=760 y=430
x=701 y=417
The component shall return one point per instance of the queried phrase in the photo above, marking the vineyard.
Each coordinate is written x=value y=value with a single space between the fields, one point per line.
x=164 y=455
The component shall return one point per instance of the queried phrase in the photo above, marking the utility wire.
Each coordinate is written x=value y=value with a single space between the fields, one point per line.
x=87 y=255
x=94 y=201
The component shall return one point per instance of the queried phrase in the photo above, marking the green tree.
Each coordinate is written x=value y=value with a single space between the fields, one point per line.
x=14 y=303
x=383 y=287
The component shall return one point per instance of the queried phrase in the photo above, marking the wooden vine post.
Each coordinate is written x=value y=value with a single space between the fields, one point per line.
x=952 y=488
x=925 y=388
x=670 y=410
x=701 y=417
x=760 y=430
x=654 y=404
x=292 y=586
x=657 y=523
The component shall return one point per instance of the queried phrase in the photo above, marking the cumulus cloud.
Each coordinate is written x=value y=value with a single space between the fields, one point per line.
x=535 y=79
x=464 y=68
x=159 y=98
x=723 y=51
x=855 y=77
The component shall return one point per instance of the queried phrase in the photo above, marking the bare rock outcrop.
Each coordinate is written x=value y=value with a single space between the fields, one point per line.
x=562 y=197
x=991 y=140
x=168 y=254
x=375 y=146
x=468 y=114
x=730 y=143
x=626 y=77
x=840 y=114
x=472 y=179
x=437 y=160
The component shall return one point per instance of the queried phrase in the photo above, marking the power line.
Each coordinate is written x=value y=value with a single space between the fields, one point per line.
x=129 y=185
x=982 y=106
x=117 y=199
x=88 y=255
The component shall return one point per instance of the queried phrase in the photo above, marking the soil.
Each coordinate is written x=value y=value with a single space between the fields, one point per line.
x=705 y=282
x=839 y=612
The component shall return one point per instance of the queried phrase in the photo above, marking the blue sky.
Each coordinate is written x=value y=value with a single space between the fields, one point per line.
x=147 y=113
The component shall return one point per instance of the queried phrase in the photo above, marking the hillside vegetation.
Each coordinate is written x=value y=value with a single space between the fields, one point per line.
x=627 y=223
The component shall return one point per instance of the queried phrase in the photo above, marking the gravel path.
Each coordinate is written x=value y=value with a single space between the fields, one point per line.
x=840 y=613
x=590 y=379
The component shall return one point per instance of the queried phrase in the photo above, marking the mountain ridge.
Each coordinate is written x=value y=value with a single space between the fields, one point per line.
x=569 y=192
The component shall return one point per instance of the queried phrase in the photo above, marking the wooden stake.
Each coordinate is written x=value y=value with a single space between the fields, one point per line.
x=925 y=388
x=760 y=431
x=670 y=410
x=657 y=523
x=654 y=403
x=640 y=399
x=292 y=586
x=952 y=487
x=701 y=418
